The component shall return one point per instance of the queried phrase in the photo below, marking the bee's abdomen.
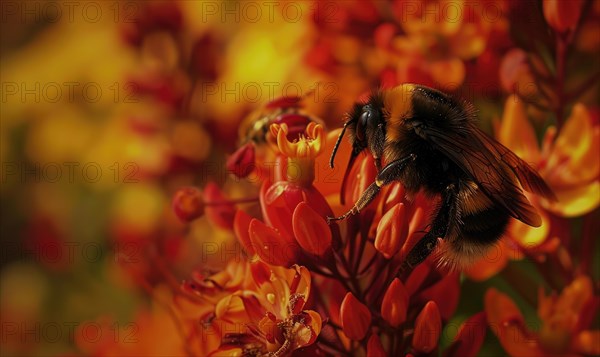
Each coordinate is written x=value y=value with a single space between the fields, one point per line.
x=481 y=221
x=484 y=227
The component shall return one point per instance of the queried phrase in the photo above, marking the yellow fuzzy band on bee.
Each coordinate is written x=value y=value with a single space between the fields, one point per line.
x=398 y=102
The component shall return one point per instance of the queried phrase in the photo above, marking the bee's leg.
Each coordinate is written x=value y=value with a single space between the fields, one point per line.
x=378 y=164
x=439 y=229
x=388 y=174
x=378 y=145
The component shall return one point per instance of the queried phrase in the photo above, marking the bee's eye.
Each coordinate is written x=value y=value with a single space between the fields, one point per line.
x=361 y=127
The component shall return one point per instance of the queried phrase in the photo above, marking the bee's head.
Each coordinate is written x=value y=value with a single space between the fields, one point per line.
x=362 y=124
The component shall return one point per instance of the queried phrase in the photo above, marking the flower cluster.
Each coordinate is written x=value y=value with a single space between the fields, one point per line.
x=359 y=302
x=243 y=261
x=363 y=301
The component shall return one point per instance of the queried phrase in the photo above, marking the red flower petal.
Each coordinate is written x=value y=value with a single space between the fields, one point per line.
x=395 y=303
x=392 y=231
x=311 y=230
x=269 y=245
x=241 y=223
x=261 y=273
x=428 y=327
x=356 y=317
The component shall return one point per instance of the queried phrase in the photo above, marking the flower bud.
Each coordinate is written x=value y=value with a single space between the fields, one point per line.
x=515 y=73
x=562 y=15
x=428 y=327
x=395 y=303
x=356 y=317
x=374 y=347
x=469 y=338
x=188 y=204
x=241 y=162
x=269 y=245
x=392 y=231
x=311 y=230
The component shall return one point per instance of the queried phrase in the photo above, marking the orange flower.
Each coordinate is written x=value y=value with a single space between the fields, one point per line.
x=440 y=35
x=567 y=162
x=565 y=322
x=273 y=313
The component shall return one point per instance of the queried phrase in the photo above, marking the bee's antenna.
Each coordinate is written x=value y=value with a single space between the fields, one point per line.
x=337 y=144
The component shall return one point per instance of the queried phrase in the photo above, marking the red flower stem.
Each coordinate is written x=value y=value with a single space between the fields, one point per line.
x=321 y=340
x=566 y=274
x=376 y=275
x=336 y=327
x=392 y=345
x=356 y=290
x=336 y=275
x=364 y=236
x=351 y=244
x=369 y=264
x=589 y=231
x=323 y=273
x=561 y=51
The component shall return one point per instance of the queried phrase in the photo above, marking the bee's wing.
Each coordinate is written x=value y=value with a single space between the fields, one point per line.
x=494 y=168
x=527 y=176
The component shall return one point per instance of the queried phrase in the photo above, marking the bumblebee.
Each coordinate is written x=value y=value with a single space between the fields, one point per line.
x=429 y=141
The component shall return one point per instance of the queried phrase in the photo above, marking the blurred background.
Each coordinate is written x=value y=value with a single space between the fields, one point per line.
x=108 y=107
